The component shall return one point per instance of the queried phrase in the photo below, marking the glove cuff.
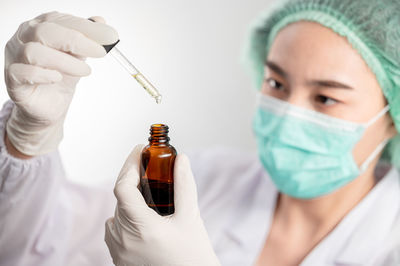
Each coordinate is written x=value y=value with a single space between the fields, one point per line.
x=33 y=140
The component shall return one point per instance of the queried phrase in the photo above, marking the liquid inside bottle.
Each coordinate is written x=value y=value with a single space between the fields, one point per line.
x=157 y=170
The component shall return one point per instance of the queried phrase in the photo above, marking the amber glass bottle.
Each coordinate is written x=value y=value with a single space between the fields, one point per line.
x=157 y=171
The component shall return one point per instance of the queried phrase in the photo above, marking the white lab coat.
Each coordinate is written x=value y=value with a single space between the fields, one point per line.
x=46 y=220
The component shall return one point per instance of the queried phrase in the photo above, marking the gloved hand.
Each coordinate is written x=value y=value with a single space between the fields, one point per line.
x=43 y=63
x=138 y=236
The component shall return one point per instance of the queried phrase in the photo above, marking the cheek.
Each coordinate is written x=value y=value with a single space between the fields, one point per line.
x=372 y=137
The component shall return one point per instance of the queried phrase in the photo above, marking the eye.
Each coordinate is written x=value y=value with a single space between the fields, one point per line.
x=326 y=100
x=274 y=84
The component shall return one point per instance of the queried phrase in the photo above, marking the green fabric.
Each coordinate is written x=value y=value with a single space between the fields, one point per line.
x=372 y=27
x=298 y=146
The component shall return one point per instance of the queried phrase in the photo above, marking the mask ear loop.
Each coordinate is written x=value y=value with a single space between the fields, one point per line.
x=372 y=156
x=379 y=115
x=380 y=147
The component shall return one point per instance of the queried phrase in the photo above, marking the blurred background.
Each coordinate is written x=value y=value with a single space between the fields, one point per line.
x=190 y=50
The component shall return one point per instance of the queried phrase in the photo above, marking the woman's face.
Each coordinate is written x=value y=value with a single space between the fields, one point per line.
x=311 y=66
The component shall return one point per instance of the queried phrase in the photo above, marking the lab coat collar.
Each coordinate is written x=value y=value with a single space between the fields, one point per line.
x=361 y=232
x=373 y=217
x=249 y=227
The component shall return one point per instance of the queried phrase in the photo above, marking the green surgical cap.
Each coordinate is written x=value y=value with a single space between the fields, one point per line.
x=372 y=27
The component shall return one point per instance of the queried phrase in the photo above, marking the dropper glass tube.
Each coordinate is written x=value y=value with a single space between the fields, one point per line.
x=134 y=72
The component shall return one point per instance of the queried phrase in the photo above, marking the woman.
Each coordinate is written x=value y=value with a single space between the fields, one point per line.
x=325 y=189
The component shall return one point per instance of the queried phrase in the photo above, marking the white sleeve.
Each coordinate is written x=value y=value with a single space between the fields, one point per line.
x=32 y=230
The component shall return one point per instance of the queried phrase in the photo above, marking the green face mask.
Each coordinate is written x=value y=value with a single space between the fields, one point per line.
x=308 y=154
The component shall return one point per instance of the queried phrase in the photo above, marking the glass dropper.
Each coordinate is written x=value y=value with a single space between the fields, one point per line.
x=134 y=72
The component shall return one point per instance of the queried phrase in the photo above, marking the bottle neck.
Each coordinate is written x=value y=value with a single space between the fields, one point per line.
x=159 y=135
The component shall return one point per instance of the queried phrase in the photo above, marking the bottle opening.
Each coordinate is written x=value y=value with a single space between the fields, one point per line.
x=159 y=133
x=159 y=126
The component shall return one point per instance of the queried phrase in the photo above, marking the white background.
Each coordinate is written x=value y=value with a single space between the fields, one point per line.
x=191 y=51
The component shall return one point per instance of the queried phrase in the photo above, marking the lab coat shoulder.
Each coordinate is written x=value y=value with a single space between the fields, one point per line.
x=223 y=170
x=233 y=189
x=28 y=211
x=87 y=208
x=223 y=176
x=44 y=218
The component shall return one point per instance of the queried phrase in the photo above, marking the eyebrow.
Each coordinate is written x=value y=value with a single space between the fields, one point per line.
x=330 y=84
x=277 y=69
x=320 y=83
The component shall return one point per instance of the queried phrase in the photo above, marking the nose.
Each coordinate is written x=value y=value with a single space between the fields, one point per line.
x=295 y=95
x=299 y=98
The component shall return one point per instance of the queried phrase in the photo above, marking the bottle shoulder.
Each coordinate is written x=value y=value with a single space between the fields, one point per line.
x=159 y=149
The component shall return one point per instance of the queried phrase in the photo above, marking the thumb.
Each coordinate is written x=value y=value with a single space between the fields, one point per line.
x=185 y=192
x=97 y=19
x=131 y=204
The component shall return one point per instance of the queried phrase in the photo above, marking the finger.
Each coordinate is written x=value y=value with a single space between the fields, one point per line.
x=99 y=32
x=110 y=232
x=19 y=74
x=46 y=16
x=132 y=163
x=112 y=237
x=39 y=55
x=61 y=38
x=185 y=192
x=116 y=241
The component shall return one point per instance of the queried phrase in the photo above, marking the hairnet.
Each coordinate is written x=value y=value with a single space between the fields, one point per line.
x=372 y=27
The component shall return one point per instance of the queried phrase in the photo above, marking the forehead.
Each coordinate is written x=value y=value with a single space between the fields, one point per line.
x=312 y=47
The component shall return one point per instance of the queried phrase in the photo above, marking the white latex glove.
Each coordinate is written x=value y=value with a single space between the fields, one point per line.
x=43 y=63
x=138 y=236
